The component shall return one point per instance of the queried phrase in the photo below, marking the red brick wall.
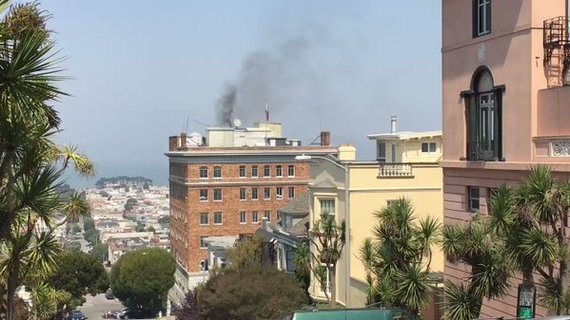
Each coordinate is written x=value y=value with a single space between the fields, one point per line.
x=190 y=254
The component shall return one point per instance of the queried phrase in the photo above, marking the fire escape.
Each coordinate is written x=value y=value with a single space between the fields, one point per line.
x=556 y=51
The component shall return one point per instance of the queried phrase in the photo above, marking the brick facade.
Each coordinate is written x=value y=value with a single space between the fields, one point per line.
x=187 y=206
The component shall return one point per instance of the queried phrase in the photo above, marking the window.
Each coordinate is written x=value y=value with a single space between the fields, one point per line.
x=203 y=244
x=429 y=147
x=242 y=171
x=268 y=216
x=242 y=217
x=217 y=172
x=291 y=192
x=203 y=195
x=473 y=194
x=204 y=219
x=291 y=171
x=381 y=156
x=279 y=193
x=279 y=171
x=218 y=195
x=203 y=172
x=254 y=217
x=254 y=172
x=278 y=217
x=484 y=119
x=218 y=218
x=267 y=171
x=242 y=194
x=481 y=17
x=178 y=191
x=327 y=206
x=254 y=194
x=267 y=193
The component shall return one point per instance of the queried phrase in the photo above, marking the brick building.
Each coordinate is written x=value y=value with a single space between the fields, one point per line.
x=223 y=186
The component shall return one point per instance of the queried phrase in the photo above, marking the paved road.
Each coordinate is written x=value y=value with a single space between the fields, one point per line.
x=95 y=306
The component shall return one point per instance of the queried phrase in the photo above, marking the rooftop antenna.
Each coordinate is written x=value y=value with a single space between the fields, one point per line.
x=266 y=110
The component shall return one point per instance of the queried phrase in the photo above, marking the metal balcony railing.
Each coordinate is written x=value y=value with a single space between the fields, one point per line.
x=395 y=170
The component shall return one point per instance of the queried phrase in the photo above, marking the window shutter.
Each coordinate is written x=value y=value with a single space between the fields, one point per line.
x=473 y=127
x=499 y=123
x=474 y=18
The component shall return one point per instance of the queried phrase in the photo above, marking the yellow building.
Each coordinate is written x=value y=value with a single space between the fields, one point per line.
x=407 y=165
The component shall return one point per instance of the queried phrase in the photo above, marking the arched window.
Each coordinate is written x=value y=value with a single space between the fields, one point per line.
x=484 y=118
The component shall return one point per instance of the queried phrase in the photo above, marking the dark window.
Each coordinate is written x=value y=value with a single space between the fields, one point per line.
x=481 y=17
x=279 y=193
x=381 y=156
x=242 y=194
x=484 y=119
x=178 y=191
x=204 y=218
x=473 y=194
x=267 y=193
x=254 y=194
x=242 y=171
x=218 y=218
x=429 y=147
x=291 y=171
x=254 y=217
x=268 y=216
x=218 y=195
x=254 y=173
x=203 y=194
x=217 y=172
x=279 y=171
x=203 y=172
x=291 y=192
x=242 y=217
x=267 y=171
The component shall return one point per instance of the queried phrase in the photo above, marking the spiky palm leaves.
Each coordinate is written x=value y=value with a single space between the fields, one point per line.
x=525 y=232
x=397 y=260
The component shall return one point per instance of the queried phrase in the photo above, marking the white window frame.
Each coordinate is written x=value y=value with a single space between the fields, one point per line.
x=256 y=194
x=221 y=195
x=267 y=169
x=429 y=145
x=265 y=197
x=244 y=172
x=321 y=200
x=256 y=168
x=200 y=173
x=279 y=171
x=221 y=215
x=255 y=216
x=244 y=198
x=207 y=195
x=279 y=195
x=482 y=6
x=289 y=171
x=470 y=199
x=378 y=156
x=267 y=214
x=207 y=215
x=221 y=174
x=291 y=195
x=242 y=214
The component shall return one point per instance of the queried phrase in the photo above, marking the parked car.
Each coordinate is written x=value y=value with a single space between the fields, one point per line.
x=77 y=315
x=109 y=294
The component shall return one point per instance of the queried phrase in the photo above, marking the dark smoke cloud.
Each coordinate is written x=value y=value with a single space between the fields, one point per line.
x=282 y=75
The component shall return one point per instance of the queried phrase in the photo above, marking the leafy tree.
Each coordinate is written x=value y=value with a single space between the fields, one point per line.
x=31 y=164
x=139 y=227
x=398 y=259
x=251 y=293
x=88 y=224
x=150 y=229
x=141 y=280
x=190 y=308
x=327 y=238
x=477 y=245
x=79 y=274
x=129 y=205
x=100 y=252
x=246 y=253
x=74 y=246
x=92 y=236
x=75 y=228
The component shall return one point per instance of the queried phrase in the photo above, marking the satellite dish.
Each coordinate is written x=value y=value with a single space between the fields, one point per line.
x=237 y=122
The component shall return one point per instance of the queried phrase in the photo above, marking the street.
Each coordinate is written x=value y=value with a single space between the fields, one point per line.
x=95 y=306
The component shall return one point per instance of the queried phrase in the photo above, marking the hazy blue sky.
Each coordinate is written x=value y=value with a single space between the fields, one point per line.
x=141 y=68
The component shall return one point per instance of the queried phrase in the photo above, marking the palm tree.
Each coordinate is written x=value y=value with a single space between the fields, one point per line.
x=398 y=259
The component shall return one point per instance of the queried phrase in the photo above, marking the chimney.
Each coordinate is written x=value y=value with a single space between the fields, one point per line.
x=183 y=140
x=325 y=138
x=393 y=122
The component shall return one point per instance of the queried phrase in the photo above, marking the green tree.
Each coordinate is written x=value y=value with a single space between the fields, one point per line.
x=79 y=274
x=75 y=228
x=246 y=253
x=88 y=224
x=92 y=236
x=398 y=259
x=72 y=246
x=129 y=205
x=151 y=229
x=251 y=293
x=141 y=280
x=101 y=252
x=31 y=164
x=327 y=237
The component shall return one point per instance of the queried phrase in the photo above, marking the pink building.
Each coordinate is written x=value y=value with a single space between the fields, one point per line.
x=505 y=106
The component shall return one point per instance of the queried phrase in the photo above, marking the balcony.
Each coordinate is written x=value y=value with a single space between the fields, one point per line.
x=556 y=43
x=478 y=151
x=395 y=170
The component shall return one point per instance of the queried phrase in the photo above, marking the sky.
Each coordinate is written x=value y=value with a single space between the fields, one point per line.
x=141 y=71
